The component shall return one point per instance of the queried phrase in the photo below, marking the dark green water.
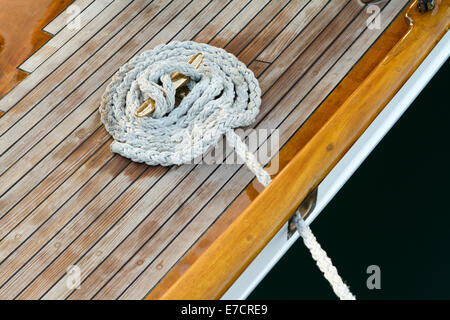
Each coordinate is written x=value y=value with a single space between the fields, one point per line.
x=394 y=212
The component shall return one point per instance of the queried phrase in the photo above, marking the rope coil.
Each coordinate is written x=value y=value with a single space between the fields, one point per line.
x=224 y=95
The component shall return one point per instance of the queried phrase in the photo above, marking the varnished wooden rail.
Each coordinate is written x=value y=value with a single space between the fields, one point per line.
x=213 y=272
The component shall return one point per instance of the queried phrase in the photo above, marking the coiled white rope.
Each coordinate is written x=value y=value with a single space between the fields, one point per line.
x=224 y=94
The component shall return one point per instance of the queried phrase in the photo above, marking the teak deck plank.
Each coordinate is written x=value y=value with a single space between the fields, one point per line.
x=100 y=28
x=221 y=20
x=258 y=67
x=66 y=200
x=21 y=23
x=124 y=274
x=71 y=122
x=64 y=34
x=57 y=24
x=95 y=115
x=62 y=100
x=216 y=179
x=221 y=176
x=251 y=191
x=288 y=127
x=292 y=30
x=253 y=28
x=296 y=48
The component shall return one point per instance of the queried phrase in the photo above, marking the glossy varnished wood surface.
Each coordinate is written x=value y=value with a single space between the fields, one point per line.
x=21 y=23
x=66 y=200
x=321 y=142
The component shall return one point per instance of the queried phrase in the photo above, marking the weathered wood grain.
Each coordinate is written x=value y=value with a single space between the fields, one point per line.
x=63 y=33
x=157 y=268
x=72 y=121
x=325 y=144
x=258 y=67
x=57 y=24
x=21 y=23
x=294 y=10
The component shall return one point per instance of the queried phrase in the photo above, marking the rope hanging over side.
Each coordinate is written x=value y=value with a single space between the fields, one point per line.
x=322 y=260
x=318 y=254
x=223 y=95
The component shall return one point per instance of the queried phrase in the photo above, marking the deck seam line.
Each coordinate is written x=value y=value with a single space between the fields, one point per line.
x=92 y=93
x=92 y=1
x=172 y=37
x=46 y=43
x=70 y=93
x=58 y=66
x=51 y=216
x=75 y=150
x=282 y=29
x=251 y=20
x=337 y=14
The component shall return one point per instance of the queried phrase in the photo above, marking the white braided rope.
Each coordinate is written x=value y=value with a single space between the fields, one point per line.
x=318 y=254
x=249 y=158
x=322 y=260
x=224 y=94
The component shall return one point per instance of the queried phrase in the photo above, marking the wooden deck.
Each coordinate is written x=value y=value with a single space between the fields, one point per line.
x=66 y=200
x=22 y=33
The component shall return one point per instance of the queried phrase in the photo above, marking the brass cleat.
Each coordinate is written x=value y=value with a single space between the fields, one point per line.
x=179 y=80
